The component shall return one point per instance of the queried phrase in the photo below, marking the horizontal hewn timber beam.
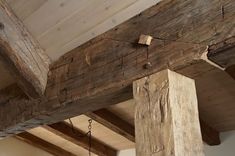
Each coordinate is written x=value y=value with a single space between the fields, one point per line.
x=42 y=144
x=121 y=127
x=80 y=138
x=100 y=72
x=21 y=54
x=114 y=123
x=223 y=54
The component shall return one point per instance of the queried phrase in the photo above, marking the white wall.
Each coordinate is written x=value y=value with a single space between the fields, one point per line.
x=14 y=147
x=227 y=148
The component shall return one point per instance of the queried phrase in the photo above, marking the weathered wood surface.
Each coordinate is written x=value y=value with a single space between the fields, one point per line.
x=166 y=117
x=80 y=138
x=114 y=123
x=11 y=92
x=42 y=144
x=209 y=134
x=99 y=73
x=21 y=54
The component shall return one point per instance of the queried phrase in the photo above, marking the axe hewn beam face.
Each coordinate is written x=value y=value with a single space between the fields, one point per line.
x=21 y=54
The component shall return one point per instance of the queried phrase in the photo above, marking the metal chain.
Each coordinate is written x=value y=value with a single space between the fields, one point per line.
x=89 y=135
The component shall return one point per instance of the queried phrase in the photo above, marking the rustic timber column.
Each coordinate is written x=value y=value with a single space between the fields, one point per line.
x=166 y=117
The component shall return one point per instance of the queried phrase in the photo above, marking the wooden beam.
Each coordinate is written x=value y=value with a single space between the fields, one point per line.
x=108 y=119
x=114 y=123
x=80 y=138
x=231 y=71
x=223 y=54
x=21 y=54
x=100 y=72
x=42 y=144
x=166 y=117
x=209 y=134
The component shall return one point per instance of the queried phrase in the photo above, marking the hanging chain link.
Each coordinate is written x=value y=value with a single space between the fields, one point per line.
x=89 y=135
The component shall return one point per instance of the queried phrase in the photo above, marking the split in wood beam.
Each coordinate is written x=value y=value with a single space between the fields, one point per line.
x=76 y=86
x=166 y=116
x=21 y=54
x=42 y=144
x=80 y=138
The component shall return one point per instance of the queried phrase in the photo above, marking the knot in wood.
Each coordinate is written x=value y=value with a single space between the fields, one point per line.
x=148 y=65
x=1 y=26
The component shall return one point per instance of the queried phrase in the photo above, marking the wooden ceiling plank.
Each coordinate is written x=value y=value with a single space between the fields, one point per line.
x=100 y=73
x=80 y=138
x=21 y=54
x=42 y=144
x=114 y=123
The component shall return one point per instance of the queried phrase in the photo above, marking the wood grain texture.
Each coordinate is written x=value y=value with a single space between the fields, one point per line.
x=21 y=54
x=80 y=138
x=42 y=144
x=116 y=60
x=166 y=118
x=114 y=123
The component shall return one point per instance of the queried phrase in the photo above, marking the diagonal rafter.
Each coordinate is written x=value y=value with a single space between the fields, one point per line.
x=21 y=54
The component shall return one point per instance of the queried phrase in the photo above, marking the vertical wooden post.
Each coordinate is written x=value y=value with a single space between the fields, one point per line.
x=166 y=117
